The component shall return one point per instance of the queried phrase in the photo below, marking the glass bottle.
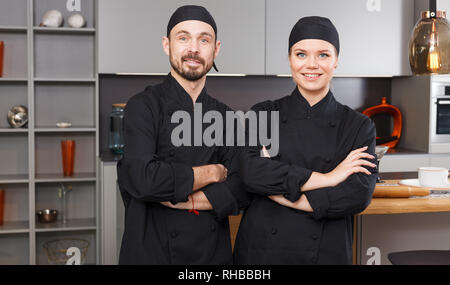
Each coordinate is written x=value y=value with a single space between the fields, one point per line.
x=116 y=129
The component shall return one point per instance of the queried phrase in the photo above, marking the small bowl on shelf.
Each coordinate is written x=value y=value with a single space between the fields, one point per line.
x=63 y=125
x=47 y=215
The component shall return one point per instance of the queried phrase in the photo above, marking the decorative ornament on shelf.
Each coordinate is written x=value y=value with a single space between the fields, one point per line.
x=76 y=21
x=47 y=215
x=52 y=18
x=18 y=116
x=68 y=156
x=63 y=124
x=66 y=251
x=429 y=46
x=63 y=199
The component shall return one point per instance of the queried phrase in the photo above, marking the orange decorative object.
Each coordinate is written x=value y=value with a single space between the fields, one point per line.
x=395 y=113
x=68 y=156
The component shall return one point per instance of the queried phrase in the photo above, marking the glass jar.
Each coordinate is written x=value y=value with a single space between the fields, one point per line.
x=429 y=51
x=116 y=129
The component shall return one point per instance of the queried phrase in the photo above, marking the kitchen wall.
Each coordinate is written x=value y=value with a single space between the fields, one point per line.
x=240 y=93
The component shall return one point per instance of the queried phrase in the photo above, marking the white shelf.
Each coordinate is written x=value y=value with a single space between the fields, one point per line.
x=64 y=130
x=13 y=29
x=64 y=30
x=14 y=227
x=13 y=130
x=41 y=79
x=13 y=79
x=71 y=225
x=14 y=179
x=59 y=177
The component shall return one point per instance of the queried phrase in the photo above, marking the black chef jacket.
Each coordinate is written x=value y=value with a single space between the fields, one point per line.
x=317 y=139
x=153 y=170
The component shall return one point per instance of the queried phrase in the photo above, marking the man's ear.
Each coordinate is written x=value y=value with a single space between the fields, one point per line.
x=165 y=45
x=216 y=52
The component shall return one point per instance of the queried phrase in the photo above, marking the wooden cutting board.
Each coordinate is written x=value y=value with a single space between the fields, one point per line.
x=390 y=190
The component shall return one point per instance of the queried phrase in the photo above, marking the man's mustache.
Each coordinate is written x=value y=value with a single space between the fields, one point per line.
x=193 y=56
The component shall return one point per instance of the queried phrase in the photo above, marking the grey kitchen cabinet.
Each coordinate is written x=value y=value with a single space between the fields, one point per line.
x=403 y=162
x=374 y=34
x=130 y=35
x=379 y=235
x=440 y=160
x=444 y=5
x=411 y=162
x=112 y=213
x=423 y=5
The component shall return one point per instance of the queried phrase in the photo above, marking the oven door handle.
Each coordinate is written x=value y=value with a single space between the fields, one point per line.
x=443 y=102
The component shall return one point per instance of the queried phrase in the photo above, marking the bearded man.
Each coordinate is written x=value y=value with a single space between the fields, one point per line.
x=178 y=198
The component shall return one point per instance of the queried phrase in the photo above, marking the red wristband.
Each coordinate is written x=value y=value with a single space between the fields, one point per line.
x=193 y=210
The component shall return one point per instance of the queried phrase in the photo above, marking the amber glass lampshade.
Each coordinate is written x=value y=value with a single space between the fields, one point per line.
x=429 y=46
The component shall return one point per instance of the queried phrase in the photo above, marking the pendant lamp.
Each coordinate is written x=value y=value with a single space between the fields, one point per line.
x=429 y=46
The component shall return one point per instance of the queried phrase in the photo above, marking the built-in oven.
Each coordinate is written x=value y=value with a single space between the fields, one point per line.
x=440 y=124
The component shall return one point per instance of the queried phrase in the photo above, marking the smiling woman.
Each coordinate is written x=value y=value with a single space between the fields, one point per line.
x=305 y=196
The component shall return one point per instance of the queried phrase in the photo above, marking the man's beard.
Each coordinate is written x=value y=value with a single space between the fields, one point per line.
x=188 y=73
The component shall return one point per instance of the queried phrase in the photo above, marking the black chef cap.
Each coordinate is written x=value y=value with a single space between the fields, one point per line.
x=192 y=12
x=314 y=27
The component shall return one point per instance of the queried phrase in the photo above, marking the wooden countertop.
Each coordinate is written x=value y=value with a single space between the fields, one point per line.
x=405 y=205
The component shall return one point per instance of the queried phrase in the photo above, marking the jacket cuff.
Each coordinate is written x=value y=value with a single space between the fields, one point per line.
x=222 y=201
x=318 y=199
x=183 y=181
x=296 y=177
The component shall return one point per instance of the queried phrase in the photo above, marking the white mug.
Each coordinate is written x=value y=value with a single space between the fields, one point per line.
x=433 y=177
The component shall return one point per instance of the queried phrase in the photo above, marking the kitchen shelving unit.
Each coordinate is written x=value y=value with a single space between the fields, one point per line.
x=53 y=72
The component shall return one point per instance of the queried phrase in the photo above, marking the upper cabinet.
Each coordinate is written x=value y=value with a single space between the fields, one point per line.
x=444 y=5
x=254 y=34
x=374 y=34
x=130 y=35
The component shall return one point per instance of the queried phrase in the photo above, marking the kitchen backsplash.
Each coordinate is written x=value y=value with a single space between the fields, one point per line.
x=240 y=93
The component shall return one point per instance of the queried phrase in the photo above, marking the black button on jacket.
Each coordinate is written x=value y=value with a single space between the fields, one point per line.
x=152 y=170
x=317 y=139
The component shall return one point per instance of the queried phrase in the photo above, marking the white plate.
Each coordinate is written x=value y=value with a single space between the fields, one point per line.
x=416 y=183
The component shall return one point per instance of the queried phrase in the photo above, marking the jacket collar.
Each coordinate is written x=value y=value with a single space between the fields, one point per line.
x=300 y=108
x=177 y=93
